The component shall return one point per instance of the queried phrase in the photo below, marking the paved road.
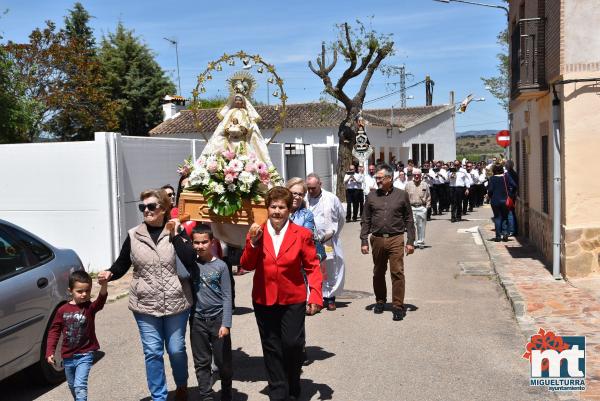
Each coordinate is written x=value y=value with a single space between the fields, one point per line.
x=460 y=340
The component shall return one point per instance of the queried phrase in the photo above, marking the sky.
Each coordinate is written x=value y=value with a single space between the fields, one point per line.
x=455 y=44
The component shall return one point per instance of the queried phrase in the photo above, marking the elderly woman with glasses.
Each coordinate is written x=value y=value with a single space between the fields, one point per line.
x=159 y=299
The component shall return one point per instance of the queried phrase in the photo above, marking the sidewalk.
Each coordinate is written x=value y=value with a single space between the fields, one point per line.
x=569 y=308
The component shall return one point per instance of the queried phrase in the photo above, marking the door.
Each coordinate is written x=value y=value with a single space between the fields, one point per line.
x=26 y=283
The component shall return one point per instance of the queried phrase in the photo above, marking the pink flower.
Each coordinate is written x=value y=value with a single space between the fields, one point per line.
x=229 y=155
x=250 y=167
x=212 y=167
x=262 y=168
x=265 y=177
x=229 y=178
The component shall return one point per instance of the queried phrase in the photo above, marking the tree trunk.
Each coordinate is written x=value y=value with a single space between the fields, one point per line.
x=346 y=141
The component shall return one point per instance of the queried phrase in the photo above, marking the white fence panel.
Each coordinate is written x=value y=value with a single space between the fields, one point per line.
x=60 y=192
x=147 y=163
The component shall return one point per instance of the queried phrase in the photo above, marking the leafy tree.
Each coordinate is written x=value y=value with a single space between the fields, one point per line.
x=62 y=79
x=363 y=50
x=83 y=105
x=212 y=103
x=35 y=66
x=16 y=111
x=77 y=28
x=135 y=80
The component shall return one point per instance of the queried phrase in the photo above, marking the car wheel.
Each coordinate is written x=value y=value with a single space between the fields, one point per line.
x=42 y=371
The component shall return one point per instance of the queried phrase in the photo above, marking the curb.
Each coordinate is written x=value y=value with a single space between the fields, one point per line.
x=517 y=303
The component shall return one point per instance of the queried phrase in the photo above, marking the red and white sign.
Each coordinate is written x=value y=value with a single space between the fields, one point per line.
x=503 y=138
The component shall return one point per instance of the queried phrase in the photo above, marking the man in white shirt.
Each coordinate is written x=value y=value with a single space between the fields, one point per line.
x=459 y=187
x=328 y=212
x=369 y=183
x=481 y=181
x=469 y=200
x=353 y=182
x=400 y=181
x=438 y=177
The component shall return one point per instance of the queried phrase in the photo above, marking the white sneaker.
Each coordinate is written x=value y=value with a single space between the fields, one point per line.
x=421 y=246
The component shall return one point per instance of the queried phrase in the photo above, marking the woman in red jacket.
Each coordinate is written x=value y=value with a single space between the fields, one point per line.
x=278 y=250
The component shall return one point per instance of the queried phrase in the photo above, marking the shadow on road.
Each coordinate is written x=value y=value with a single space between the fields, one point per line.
x=252 y=369
x=194 y=394
x=21 y=387
x=242 y=310
x=388 y=307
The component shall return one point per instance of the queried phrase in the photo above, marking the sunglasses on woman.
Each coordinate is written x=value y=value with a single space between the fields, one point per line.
x=150 y=206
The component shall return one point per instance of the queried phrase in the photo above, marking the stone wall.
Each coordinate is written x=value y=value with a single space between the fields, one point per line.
x=540 y=233
x=582 y=251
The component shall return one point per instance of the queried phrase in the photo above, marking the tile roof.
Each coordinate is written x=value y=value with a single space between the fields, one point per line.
x=304 y=115
x=410 y=116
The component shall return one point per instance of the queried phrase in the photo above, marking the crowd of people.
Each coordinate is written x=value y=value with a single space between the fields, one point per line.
x=180 y=279
x=437 y=187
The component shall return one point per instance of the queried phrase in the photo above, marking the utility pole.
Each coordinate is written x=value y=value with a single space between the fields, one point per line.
x=402 y=74
x=174 y=42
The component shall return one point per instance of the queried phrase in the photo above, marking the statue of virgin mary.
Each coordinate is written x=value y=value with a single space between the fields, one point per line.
x=238 y=130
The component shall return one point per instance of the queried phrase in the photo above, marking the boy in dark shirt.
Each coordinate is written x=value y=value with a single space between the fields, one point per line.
x=210 y=318
x=75 y=321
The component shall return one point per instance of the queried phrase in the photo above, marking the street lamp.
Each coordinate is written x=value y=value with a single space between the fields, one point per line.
x=476 y=4
x=174 y=42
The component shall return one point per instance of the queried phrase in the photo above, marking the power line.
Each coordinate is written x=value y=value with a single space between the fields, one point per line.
x=393 y=93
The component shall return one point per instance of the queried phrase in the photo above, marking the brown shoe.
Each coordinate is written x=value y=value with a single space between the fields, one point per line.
x=331 y=306
x=181 y=393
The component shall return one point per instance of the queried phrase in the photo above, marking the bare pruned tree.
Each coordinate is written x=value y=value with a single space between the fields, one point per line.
x=363 y=50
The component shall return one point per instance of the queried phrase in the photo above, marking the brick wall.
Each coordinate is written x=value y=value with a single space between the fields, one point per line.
x=553 y=38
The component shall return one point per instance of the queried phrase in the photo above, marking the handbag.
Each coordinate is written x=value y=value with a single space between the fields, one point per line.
x=510 y=203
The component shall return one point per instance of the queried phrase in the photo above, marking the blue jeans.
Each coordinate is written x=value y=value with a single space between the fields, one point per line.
x=500 y=219
x=77 y=370
x=156 y=333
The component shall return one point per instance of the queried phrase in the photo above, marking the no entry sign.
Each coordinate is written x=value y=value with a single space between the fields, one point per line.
x=503 y=138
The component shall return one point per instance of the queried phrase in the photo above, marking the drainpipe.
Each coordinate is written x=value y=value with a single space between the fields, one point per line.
x=557 y=179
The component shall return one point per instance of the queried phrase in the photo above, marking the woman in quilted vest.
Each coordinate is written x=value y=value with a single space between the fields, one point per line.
x=159 y=299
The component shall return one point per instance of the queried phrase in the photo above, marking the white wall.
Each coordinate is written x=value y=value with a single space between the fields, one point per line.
x=60 y=192
x=438 y=130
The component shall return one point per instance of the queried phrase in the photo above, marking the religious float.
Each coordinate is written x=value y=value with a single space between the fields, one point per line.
x=226 y=185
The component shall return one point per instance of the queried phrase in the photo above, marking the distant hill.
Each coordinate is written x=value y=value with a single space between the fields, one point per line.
x=474 y=145
x=485 y=132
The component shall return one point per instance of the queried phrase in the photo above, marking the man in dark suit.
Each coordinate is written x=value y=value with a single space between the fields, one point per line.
x=278 y=250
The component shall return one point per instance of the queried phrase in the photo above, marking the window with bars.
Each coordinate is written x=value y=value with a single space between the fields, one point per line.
x=430 y=152
x=545 y=175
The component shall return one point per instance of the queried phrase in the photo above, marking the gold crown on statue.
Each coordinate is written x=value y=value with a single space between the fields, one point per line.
x=243 y=83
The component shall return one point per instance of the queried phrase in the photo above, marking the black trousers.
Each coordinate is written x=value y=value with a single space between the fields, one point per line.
x=354 y=200
x=446 y=196
x=479 y=194
x=468 y=202
x=205 y=342
x=282 y=335
x=457 y=194
x=436 y=198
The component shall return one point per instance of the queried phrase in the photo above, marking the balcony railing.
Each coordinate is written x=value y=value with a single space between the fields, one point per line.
x=528 y=57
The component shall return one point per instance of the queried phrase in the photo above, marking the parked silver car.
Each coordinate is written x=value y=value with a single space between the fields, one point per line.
x=34 y=278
